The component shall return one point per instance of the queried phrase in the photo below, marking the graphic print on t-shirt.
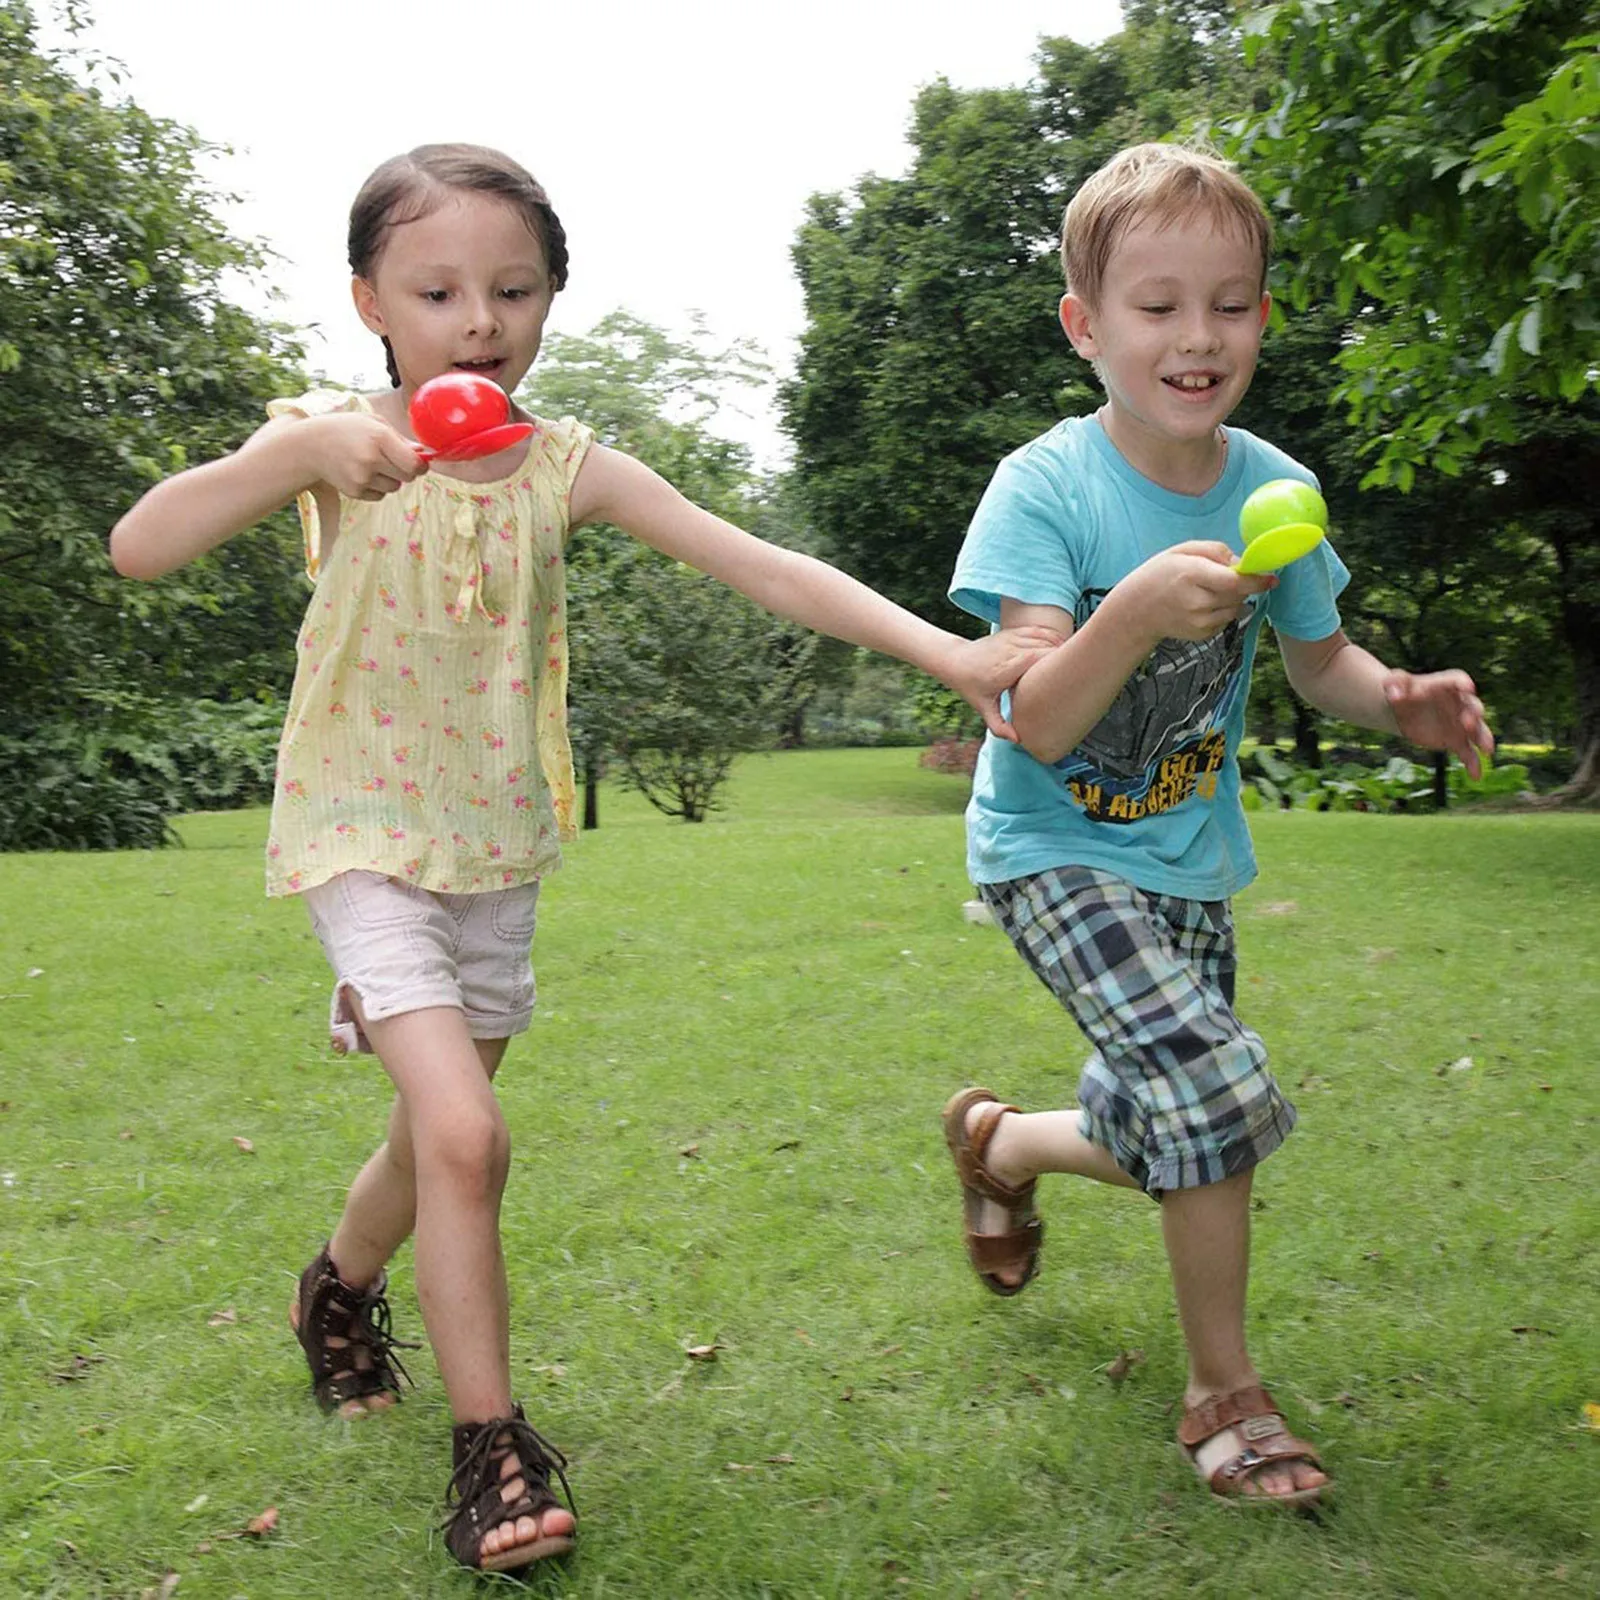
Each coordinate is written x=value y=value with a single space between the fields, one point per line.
x=1163 y=740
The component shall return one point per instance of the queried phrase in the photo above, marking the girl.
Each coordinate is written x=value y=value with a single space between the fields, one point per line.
x=424 y=776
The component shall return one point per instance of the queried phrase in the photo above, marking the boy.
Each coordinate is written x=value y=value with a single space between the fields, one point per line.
x=1109 y=841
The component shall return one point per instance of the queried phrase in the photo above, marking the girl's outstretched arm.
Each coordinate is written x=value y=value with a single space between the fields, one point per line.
x=612 y=487
x=191 y=512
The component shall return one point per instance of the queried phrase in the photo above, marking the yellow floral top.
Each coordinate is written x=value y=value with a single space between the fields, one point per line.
x=427 y=729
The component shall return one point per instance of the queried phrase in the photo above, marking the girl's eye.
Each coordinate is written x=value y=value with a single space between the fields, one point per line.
x=516 y=294
x=436 y=297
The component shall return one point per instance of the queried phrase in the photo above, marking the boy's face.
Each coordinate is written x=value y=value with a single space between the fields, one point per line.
x=1175 y=335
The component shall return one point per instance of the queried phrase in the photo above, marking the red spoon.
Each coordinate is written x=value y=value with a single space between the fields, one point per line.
x=459 y=416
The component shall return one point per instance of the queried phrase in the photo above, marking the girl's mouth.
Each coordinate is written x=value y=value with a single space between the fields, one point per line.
x=484 y=366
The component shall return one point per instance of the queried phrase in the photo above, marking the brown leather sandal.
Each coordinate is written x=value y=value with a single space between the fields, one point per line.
x=1256 y=1415
x=480 y=1450
x=991 y=1253
x=324 y=1308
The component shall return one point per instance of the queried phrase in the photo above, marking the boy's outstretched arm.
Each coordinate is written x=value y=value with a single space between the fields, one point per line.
x=612 y=487
x=1435 y=710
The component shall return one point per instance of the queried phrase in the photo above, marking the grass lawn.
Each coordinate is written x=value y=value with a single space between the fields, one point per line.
x=725 y=1126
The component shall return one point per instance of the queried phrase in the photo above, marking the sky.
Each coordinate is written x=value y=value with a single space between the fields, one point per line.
x=678 y=142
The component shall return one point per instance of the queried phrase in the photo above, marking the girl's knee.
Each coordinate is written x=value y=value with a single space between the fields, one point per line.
x=470 y=1148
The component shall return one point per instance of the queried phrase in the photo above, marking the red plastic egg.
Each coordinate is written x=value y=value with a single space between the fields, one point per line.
x=456 y=405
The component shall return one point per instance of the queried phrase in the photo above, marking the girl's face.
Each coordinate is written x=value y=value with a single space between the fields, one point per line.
x=1175 y=337
x=464 y=288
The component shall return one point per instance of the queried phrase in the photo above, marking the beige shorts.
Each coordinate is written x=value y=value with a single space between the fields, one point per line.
x=397 y=948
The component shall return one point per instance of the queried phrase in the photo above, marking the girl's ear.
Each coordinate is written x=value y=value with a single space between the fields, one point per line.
x=366 y=299
x=1075 y=323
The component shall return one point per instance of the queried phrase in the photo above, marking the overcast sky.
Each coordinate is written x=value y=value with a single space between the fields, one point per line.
x=678 y=142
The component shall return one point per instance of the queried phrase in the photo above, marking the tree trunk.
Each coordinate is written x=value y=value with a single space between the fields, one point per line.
x=1581 y=623
x=1307 y=746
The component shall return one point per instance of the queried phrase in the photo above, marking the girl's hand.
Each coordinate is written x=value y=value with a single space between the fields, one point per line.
x=981 y=670
x=1440 y=711
x=359 y=455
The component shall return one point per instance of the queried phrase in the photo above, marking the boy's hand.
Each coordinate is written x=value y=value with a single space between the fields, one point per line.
x=982 y=670
x=361 y=456
x=1192 y=591
x=1441 y=711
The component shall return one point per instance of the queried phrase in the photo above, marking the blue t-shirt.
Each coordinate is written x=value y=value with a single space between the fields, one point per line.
x=1152 y=792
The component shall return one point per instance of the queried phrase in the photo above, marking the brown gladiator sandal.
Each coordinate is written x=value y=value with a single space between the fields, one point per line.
x=325 y=1308
x=477 y=1504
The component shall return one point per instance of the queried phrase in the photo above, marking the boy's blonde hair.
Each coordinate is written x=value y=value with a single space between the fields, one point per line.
x=1161 y=183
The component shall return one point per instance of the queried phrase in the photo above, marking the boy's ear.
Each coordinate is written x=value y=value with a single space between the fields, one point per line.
x=366 y=300
x=1076 y=324
x=1266 y=309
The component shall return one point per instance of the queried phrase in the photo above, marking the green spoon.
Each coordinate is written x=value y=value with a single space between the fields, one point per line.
x=1282 y=521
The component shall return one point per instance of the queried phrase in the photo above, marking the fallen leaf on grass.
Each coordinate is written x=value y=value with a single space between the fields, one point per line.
x=803 y=1336
x=1530 y=1328
x=81 y=1367
x=788 y=1144
x=690 y=1152
x=739 y=1466
x=195 y=1504
x=258 y=1527
x=1278 y=908
x=784 y=1460
x=702 y=1352
x=244 y=1144
x=162 y=1590
x=219 y=1319
x=1123 y=1365
x=1591 y=1415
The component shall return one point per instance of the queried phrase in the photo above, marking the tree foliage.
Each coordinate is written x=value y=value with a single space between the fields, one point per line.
x=672 y=675
x=931 y=347
x=1438 y=166
x=122 y=358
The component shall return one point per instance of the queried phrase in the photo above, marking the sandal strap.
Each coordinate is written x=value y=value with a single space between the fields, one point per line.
x=1246 y=1409
x=969 y=1147
x=1225 y=1480
x=474 y=1499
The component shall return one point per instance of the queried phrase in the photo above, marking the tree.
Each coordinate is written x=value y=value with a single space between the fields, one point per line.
x=1442 y=160
x=122 y=359
x=688 y=678
x=931 y=347
x=671 y=674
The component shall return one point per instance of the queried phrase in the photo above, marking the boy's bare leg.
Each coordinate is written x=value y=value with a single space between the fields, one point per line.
x=1207 y=1233
x=380 y=1212
x=461 y=1154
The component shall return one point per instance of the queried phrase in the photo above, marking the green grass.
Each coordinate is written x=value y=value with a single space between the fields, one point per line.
x=790 y=992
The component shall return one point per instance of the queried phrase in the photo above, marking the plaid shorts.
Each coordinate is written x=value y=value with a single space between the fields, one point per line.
x=1177 y=1088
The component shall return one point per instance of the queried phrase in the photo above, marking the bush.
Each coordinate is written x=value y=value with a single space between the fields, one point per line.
x=60 y=796
x=109 y=778
x=958 y=756
x=1271 y=779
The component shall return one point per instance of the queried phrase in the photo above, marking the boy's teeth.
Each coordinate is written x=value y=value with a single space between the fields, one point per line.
x=1188 y=381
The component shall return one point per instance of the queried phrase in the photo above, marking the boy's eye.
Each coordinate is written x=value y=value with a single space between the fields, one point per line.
x=436 y=297
x=517 y=294
x=1156 y=310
